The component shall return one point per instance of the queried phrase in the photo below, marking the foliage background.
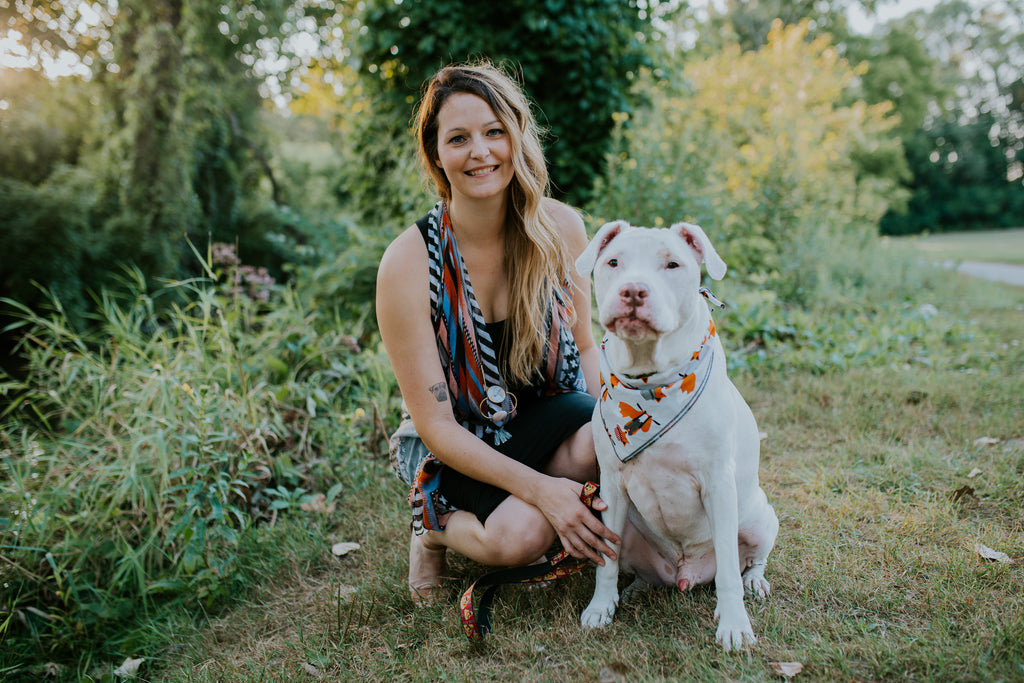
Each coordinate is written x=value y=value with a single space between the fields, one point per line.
x=193 y=387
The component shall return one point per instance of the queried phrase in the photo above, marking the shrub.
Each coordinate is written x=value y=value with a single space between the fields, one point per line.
x=136 y=460
x=754 y=147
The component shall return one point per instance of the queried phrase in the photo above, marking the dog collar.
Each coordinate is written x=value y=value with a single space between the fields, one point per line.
x=636 y=412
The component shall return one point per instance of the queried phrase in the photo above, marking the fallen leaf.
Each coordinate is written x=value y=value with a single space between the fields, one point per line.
x=312 y=670
x=129 y=668
x=787 y=669
x=985 y=441
x=340 y=549
x=990 y=554
x=317 y=503
x=762 y=436
x=975 y=472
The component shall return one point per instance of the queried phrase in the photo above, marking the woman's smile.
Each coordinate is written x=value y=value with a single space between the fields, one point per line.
x=473 y=148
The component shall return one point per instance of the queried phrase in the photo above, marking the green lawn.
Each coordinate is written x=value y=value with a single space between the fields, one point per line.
x=894 y=450
x=995 y=246
x=885 y=480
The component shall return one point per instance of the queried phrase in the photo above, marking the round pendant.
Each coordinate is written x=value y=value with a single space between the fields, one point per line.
x=495 y=394
x=498 y=415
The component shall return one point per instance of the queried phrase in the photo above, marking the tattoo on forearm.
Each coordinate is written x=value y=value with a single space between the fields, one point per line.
x=440 y=392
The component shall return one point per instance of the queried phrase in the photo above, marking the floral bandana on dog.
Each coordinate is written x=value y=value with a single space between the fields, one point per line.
x=636 y=411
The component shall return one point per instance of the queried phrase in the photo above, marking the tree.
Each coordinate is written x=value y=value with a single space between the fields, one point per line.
x=965 y=156
x=748 y=22
x=759 y=148
x=576 y=57
x=898 y=69
x=40 y=124
x=171 y=139
x=47 y=29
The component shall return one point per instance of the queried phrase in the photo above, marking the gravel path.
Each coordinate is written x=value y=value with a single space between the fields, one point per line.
x=999 y=272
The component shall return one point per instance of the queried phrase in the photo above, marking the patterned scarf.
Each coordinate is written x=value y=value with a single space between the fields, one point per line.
x=478 y=392
x=637 y=411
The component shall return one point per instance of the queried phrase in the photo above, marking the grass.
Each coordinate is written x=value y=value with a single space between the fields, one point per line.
x=172 y=493
x=992 y=246
x=882 y=488
x=143 y=467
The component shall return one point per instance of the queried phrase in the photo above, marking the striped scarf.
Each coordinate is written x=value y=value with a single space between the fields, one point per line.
x=469 y=361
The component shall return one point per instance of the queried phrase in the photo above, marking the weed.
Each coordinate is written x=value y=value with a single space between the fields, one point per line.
x=138 y=458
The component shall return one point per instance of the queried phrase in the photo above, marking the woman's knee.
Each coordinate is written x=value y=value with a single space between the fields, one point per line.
x=518 y=538
x=575 y=458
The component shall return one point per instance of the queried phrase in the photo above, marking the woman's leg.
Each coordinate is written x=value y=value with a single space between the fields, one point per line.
x=426 y=567
x=575 y=459
x=514 y=535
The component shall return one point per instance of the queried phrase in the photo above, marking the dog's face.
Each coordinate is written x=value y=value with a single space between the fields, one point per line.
x=647 y=279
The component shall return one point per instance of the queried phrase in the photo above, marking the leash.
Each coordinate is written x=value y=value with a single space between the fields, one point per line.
x=477 y=623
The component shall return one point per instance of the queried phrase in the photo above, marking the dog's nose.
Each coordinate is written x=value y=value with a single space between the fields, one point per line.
x=633 y=293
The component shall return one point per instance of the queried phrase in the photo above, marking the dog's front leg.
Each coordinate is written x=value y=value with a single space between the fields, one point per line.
x=721 y=505
x=606 y=590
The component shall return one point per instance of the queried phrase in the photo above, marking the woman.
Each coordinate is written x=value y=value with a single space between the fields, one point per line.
x=475 y=304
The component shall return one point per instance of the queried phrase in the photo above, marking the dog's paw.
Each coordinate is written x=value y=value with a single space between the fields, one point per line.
x=734 y=629
x=755 y=583
x=597 y=614
x=735 y=638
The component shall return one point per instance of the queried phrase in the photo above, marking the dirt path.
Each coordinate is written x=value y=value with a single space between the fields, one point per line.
x=998 y=272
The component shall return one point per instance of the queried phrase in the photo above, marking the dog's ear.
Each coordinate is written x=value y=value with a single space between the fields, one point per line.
x=586 y=261
x=695 y=237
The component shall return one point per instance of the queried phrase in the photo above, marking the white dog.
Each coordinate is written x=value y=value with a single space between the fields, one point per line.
x=677 y=444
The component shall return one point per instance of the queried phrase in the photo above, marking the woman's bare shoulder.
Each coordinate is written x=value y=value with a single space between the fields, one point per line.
x=402 y=275
x=406 y=251
x=568 y=221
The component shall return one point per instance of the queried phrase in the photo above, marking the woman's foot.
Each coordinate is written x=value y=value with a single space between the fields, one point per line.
x=426 y=567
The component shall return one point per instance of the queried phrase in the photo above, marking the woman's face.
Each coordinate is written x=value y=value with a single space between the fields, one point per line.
x=473 y=148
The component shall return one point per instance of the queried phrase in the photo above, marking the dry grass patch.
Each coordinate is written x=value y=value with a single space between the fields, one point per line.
x=875 y=575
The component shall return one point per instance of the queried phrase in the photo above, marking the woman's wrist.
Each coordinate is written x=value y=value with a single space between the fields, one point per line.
x=532 y=488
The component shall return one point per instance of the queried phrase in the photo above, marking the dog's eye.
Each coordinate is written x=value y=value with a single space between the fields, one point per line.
x=671 y=265
x=613 y=263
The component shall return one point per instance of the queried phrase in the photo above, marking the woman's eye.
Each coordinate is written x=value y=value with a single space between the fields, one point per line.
x=495 y=132
x=457 y=140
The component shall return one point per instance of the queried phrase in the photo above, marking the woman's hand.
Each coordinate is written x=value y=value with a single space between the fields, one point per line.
x=581 y=532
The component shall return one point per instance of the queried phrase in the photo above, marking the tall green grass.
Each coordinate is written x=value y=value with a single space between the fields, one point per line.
x=138 y=459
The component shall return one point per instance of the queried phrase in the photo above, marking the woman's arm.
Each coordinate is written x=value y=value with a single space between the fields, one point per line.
x=403 y=316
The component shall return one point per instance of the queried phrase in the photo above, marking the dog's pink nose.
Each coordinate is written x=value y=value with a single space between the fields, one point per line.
x=633 y=293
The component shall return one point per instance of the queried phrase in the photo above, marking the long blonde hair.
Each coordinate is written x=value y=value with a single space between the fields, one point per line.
x=536 y=259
